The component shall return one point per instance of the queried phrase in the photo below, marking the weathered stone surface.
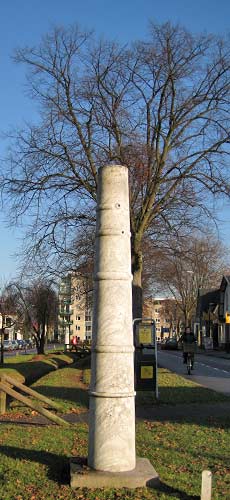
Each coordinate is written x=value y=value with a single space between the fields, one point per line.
x=83 y=477
x=112 y=411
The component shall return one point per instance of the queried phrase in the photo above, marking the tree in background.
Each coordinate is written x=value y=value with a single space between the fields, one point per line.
x=160 y=106
x=168 y=312
x=185 y=266
x=36 y=305
x=171 y=310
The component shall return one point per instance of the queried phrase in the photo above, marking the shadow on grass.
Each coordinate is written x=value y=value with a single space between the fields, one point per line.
x=29 y=370
x=71 y=394
x=174 y=492
x=190 y=394
x=58 y=469
x=36 y=368
x=58 y=465
x=204 y=415
x=175 y=395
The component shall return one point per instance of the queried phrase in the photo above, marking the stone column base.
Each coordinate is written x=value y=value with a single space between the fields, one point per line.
x=81 y=476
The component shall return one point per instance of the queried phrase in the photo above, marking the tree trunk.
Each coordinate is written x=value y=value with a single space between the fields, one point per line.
x=40 y=343
x=137 y=279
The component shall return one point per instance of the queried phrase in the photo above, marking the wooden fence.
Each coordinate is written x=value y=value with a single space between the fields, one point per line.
x=6 y=387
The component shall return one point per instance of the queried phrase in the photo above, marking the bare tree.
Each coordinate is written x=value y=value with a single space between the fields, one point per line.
x=36 y=304
x=171 y=310
x=160 y=106
x=187 y=265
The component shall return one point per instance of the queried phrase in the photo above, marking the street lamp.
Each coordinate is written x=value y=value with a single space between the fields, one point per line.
x=210 y=305
x=188 y=291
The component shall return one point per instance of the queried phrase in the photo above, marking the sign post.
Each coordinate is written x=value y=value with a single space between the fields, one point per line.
x=145 y=355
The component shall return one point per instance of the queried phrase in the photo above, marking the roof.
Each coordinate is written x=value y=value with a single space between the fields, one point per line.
x=225 y=281
x=208 y=299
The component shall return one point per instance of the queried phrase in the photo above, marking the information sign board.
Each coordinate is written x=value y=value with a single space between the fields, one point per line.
x=145 y=334
x=145 y=355
x=146 y=372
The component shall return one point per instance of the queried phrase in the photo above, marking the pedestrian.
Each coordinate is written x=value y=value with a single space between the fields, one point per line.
x=74 y=342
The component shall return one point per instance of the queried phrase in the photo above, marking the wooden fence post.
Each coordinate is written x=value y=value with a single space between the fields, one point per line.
x=206 y=486
x=35 y=406
x=2 y=401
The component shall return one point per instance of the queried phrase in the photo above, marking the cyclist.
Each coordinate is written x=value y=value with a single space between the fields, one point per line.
x=188 y=337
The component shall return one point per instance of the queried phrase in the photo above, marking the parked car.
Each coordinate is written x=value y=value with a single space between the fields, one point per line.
x=14 y=344
x=170 y=344
x=163 y=341
x=180 y=343
x=21 y=344
x=7 y=345
x=30 y=343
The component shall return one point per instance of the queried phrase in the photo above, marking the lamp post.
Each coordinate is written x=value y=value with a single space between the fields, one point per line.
x=210 y=305
x=189 y=272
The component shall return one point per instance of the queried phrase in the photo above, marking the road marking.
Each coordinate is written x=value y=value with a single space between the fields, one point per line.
x=197 y=363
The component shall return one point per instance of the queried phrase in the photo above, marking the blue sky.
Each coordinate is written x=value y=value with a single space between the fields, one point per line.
x=23 y=22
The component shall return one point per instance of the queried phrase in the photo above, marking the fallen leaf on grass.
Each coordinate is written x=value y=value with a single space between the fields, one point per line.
x=75 y=410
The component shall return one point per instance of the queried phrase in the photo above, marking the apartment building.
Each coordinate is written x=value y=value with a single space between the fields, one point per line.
x=164 y=311
x=75 y=309
x=7 y=321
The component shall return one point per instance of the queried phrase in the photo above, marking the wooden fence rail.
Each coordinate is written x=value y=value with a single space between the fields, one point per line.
x=5 y=388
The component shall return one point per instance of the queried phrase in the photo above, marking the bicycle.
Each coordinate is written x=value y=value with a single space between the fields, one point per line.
x=190 y=362
x=189 y=349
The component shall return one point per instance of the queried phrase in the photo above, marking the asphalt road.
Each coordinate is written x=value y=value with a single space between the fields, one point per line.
x=30 y=350
x=209 y=371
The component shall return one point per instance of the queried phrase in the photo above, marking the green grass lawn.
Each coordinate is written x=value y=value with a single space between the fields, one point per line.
x=34 y=459
x=30 y=367
x=174 y=389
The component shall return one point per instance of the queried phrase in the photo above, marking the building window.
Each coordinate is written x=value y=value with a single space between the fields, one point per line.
x=88 y=328
x=8 y=322
x=78 y=318
x=87 y=318
x=78 y=327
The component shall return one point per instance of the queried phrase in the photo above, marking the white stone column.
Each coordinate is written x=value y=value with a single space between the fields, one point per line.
x=112 y=409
